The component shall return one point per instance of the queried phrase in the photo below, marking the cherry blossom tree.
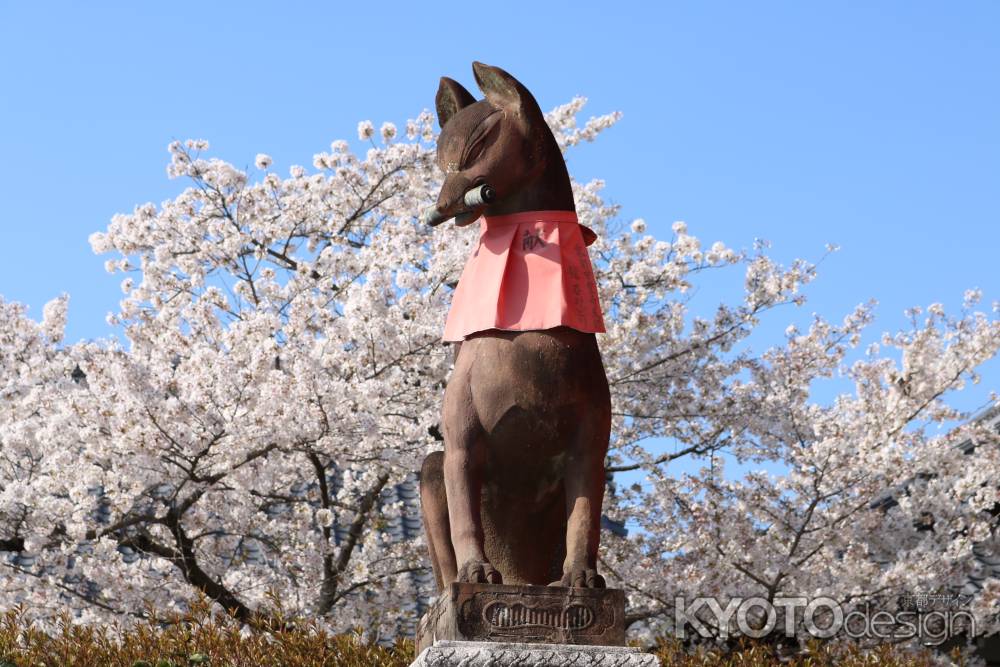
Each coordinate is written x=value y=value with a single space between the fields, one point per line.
x=279 y=380
x=878 y=496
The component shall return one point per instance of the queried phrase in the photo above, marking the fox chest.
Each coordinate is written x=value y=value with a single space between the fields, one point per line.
x=531 y=395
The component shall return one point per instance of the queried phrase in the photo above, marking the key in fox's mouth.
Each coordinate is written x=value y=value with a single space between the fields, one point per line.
x=480 y=196
x=474 y=200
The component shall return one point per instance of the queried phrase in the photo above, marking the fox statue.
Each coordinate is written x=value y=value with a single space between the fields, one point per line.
x=516 y=495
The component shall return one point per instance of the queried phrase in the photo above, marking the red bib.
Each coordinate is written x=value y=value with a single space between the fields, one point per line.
x=529 y=271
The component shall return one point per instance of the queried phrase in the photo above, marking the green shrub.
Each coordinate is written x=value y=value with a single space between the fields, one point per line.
x=198 y=637
x=201 y=637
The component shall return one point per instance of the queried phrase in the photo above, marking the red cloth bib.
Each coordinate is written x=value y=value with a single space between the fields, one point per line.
x=529 y=271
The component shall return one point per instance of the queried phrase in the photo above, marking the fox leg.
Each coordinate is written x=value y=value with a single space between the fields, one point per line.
x=464 y=460
x=434 y=507
x=584 y=497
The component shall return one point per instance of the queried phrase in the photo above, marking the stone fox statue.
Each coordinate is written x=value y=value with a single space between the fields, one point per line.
x=516 y=495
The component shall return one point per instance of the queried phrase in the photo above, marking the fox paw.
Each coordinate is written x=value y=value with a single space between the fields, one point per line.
x=581 y=577
x=478 y=572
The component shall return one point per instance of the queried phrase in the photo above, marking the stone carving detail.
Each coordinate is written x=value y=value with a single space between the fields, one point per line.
x=495 y=654
x=535 y=613
x=527 y=614
x=519 y=615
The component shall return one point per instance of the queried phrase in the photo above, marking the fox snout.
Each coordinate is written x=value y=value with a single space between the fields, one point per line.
x=464 y=208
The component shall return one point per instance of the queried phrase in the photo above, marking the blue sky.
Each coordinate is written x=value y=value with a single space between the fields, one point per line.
x=875 y=126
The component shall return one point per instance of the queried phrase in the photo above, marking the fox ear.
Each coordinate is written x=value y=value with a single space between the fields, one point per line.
x=451 y=98
x=504 y=91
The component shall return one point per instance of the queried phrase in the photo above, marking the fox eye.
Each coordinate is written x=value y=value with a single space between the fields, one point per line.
x=475 y=150
x=478 y=144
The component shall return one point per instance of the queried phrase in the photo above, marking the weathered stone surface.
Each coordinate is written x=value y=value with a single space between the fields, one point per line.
x=525 y=614
x=506 y=654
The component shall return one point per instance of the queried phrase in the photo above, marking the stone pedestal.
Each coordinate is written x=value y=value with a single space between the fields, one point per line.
x=525 y=615
x=506 y=654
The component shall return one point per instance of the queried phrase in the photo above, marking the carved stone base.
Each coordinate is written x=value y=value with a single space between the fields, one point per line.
x=525 y=615
x=505 y=654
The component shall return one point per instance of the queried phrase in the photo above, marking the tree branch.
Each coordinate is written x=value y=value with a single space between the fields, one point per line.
x=334 y=570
